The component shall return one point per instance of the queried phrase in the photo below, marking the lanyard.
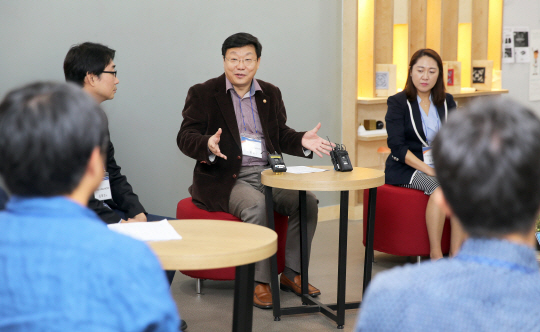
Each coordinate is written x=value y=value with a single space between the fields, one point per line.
x=252 y=113
x=414 y=124
x=496 y=263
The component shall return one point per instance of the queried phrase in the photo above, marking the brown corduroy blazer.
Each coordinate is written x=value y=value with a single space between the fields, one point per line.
x=209 y=107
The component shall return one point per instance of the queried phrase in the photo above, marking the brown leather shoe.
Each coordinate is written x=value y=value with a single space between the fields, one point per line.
x=262 y=296
x=296 y=287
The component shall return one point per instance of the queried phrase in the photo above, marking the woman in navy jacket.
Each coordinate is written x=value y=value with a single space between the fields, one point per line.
x=413 y=119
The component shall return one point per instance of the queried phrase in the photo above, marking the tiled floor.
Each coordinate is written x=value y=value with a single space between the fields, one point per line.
x=212 y=311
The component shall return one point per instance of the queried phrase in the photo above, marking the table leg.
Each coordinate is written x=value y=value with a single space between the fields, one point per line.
x=274 y=282
x=243 y=298
x=302 y=195
x=336 y=311
x=342 y=258
x=370 y=231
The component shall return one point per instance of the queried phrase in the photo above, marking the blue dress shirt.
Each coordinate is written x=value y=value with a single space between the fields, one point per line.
x=62 y=269
x=431 y=123
x=491 y=285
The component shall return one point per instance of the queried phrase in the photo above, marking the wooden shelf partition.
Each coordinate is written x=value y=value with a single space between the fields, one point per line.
x=449 y=29
x=417 y=25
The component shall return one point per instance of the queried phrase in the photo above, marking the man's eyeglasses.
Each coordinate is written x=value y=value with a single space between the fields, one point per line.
x=247 y=62
x=111 y=72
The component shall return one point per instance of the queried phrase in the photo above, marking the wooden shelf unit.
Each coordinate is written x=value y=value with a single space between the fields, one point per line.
x=372 y=138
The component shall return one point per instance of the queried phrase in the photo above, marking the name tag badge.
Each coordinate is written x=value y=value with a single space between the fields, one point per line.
x=428 y=156
x=103 y=192
x=251 y=147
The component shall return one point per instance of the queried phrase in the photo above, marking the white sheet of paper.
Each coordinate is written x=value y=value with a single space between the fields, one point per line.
x=521 y=44
x=304 y=170
x=508 y=45
x=147 y=231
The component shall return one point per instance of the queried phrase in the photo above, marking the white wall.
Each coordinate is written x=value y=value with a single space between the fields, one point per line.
x=515 y=76
x=163 y=47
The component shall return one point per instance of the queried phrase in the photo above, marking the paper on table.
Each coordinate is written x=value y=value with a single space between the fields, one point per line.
x=147 y=231
x=304 y=170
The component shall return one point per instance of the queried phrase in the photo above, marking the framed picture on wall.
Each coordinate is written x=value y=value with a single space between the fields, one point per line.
x=385 y=80
x=450 y=80
x=482 y=75
x=479 y=75
x=452 y=76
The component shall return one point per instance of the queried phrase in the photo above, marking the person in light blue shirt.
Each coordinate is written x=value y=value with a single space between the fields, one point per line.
x=414 y=117
x=487 y=159
x=61 y=268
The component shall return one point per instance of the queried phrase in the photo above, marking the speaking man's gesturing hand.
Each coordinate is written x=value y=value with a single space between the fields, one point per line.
x=213 y=144
x=313 y=142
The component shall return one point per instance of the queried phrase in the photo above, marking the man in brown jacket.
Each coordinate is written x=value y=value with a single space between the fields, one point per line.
x=230 y=125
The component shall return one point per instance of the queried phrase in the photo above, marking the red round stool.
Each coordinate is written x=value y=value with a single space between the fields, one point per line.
x=400 y=222
x=187 y=210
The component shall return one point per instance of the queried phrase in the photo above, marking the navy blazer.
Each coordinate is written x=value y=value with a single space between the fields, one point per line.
x=402 y=136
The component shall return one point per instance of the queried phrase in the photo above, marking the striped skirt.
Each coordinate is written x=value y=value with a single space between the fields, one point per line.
x=422 y=181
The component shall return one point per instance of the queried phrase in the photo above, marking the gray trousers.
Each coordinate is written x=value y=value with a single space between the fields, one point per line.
x=247 y=203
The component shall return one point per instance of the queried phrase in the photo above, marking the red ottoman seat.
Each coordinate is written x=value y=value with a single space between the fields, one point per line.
x=400 y=222
x=187 y=210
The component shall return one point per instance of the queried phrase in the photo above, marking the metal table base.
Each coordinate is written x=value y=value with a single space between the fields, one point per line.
x=336 y=311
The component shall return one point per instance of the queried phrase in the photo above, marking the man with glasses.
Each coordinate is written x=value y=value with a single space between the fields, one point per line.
x=230 y=125
x=91 y=66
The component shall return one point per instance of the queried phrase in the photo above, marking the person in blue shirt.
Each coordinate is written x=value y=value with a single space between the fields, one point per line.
x=61 y=268
x=487 y=158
